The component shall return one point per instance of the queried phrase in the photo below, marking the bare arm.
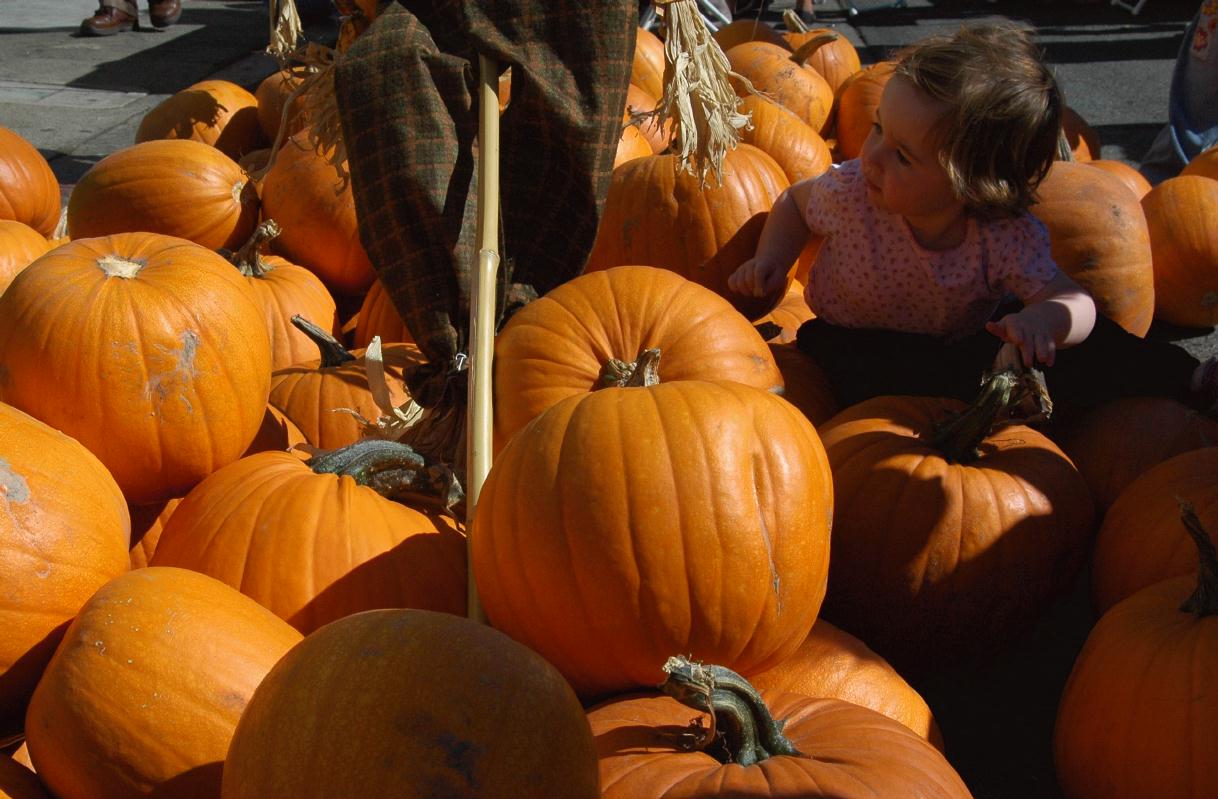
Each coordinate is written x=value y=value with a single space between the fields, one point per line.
x=1060 y=315
x=782 y=240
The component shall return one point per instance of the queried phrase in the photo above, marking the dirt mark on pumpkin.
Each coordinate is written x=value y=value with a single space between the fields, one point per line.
x=178 y=374
x=14 y=490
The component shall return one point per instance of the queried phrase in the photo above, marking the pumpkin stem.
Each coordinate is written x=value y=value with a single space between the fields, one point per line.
x=643 y=372
x=333 y=353
x=1204 y=600
x=809 y=48
x=1064 y=153
x=248 y=259
x=750 y=732
x=392 y=469
x=793 y=22
x=1002 y=398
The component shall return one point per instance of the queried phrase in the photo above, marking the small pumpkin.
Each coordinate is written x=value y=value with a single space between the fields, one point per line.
x=639 y=100
x=147 y=524
x=789 y=314
x=215 y=112
x=783 y=75
x=272 y=95
x=855 y=103
x=1205 y=164
x=378 y=317
x=631 y=144
x=1082 y=139
x=647 y=69
x=20 y=245
x=797 y=148
x=1180 y=214
x=29 y=190
x=805 y=384
x=748 y=30
x=836 y=60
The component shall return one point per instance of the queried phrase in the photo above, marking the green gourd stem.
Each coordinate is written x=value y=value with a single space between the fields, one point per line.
x=392 y=469
x=333 y=353
x=248 y=259
x=959 y=436
x=809 y=48
x=643 y=372
x=750 y=731
x=1204 y=599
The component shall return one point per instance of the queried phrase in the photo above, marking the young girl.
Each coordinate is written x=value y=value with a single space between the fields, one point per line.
x=928 y=231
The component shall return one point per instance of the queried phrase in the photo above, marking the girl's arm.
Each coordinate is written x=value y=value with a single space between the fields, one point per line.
x=783 y=238
x=1060 y=315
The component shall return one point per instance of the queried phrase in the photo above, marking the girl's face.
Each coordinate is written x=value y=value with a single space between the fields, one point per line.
x=900 y=162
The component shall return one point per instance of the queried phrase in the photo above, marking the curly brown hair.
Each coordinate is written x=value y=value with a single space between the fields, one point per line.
x=999 y=137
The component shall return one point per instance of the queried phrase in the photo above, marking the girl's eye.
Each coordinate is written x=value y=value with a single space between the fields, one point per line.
x=901 y=157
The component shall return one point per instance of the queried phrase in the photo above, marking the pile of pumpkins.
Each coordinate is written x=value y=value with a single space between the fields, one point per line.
x=205 y=589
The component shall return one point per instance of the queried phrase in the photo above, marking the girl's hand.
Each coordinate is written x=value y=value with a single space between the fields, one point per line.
x=755 y=279
x=1026 y=333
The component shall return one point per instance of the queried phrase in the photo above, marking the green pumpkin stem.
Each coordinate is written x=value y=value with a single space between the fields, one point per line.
x=1002 y=396
x=248 y=259
x=1204 y=599
x=751 y=734
x=394 y=470
x=333 y=353
x=643 y=372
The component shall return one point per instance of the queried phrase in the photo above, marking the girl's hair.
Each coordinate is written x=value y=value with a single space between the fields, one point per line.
x=999 y=136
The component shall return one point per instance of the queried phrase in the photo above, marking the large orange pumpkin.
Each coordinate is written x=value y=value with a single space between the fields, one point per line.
x=144 y=693
x=216 y=112
x=647 y=70
x=272 y=95
x=855 y=103
x=177 y=187
x=688 y=516
x=1180 y=214
x=149 y=350
x=412 y=704
x=1131 y=177
x=314 y=546
x=774 y=70
x=29 y=190
x=560 y=345
x=63 y=534
x=20 y=245
x=656 y=214
x=798 y=149
x=1099 y=237
x=378 y=317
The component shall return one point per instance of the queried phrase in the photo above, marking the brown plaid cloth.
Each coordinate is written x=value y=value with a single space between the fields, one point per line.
x=407 y=98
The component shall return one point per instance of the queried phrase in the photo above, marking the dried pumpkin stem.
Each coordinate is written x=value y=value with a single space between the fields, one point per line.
x=809 y=48
x=392 y=469
x=248 y=259
x=333 y=353
x=643 y=372
x=1204 y=599
x=750 y=732
x=1002 y=397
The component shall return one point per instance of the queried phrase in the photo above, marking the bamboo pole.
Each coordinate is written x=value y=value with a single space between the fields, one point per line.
x=479 y=423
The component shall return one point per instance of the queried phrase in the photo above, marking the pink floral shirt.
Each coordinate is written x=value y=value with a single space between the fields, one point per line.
x=871 y=272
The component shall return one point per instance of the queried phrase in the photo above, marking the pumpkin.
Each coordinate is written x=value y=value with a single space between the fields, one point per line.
x=216 y=112
x=272 y=95
x=1204 y=164
x=855 y=103
x=804 y=383
x=1082 y=139
x=792 y=312
x=317 y=213
x=316 y=395
x=1180 y=214
x=176 y=187
x=313 y=545
x=1141 y=540
x=797 y=148
x=836 y=60
x=949 y=538
x=782 y=75
x=1131 y=177
x=647 y=69
x=20 y=245
x=1115 y=443
x=18 y=782
x=283 y=289
x=29 y=190
x=832 y=664
x=63 y=534
x=147 y=524
x=747 y=30
x=163 y=396
x=689 y=516
x=656 y=214
x=562 y=344
x=411 y=703
x=144 y=693
x=378 y=317
x=638 y=100
x=631 y=144
x=1099 y=237
x=773 y=745
x=277 y=433
x=1138 y=716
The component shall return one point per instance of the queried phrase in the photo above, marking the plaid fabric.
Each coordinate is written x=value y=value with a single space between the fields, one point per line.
x=407 y=97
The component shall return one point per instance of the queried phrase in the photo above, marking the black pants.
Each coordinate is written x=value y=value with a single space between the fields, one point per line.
x=1110 y=363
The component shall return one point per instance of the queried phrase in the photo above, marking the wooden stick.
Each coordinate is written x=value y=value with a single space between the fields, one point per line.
x=479 y=425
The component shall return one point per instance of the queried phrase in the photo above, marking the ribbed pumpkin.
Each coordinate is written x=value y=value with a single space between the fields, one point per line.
x=804 y=383
x=144 y=693
x=647 y=70
x=560 y=345
x=147 y=524
x=640 y=100
x=798 y=149
x=946 y=547
x=314 y=546
x=1138 y=716
x=1142 y=541
x=658 y=215
x=1180 y=214
x=378 y=317
x=18 y=782
x=836 y=60
x=1115 y=443
x=149 y=350
x=316 y=210
x=1131 y=177
x=832 y=664
x=1205 y=164
x=688 y=516
x=855 y=103
x=313 y=393
x=63 y=535
x=1099 y=237
x=774 y=70
x=215 y=112
x=177 y=187
x=272 y=93
x=282 y=290
x=411 y=704
x=29 y=190
x=20 y=244
x=747 y=30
